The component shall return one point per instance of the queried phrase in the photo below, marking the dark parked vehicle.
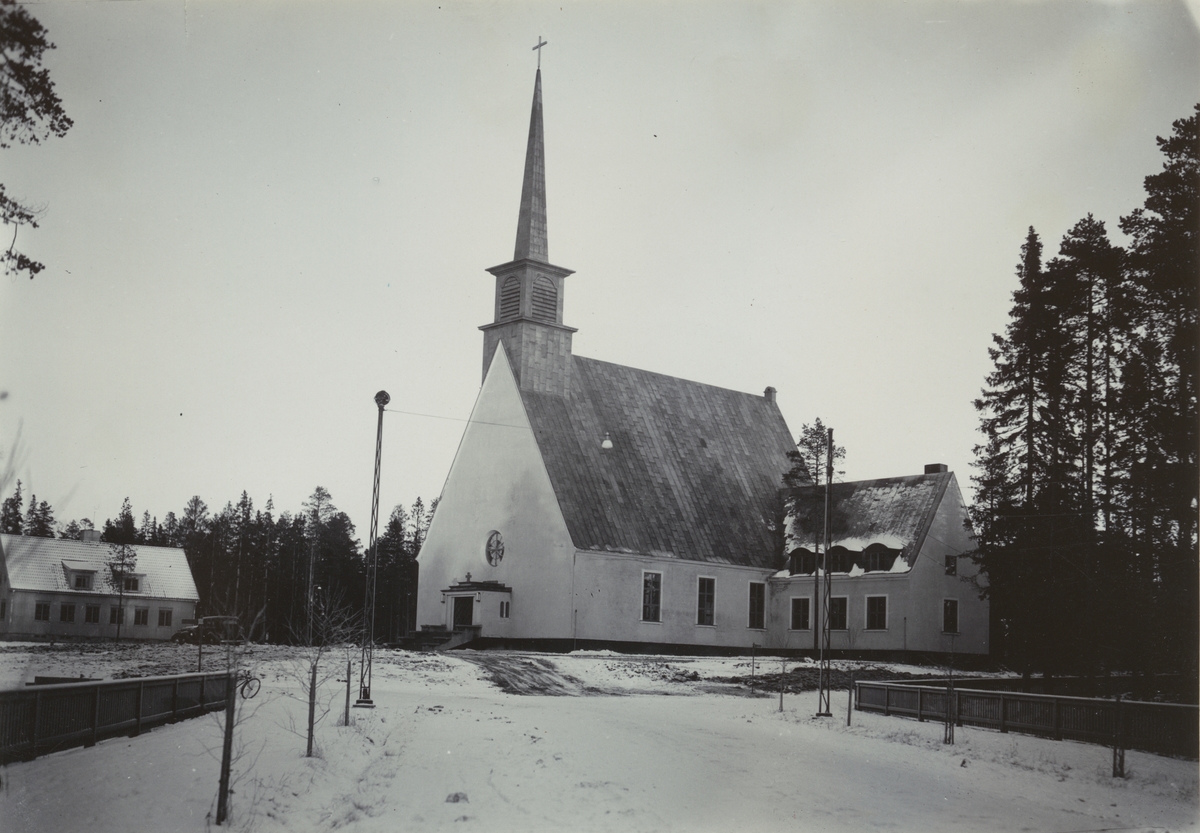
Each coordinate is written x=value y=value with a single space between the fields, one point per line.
x=211 y=630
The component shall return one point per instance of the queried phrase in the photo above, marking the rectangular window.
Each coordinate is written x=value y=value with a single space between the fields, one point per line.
x=838 y=560
x=131 y=584
x=3 y=609
x=706 y=595
x=41 y=611
x=91 y=614
x=758 y=604
x=116 y=616
x=837 y=613
x=804 y=561
x=83 y=581
x=876 y=613
x=800 y=614
x=66 y=613
x=141 y=616
x=504 y=609
x=651 y=597
x=164 y=618
x=951 y=565
x=950 y=615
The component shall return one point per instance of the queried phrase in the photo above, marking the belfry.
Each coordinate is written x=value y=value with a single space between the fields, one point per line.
x=529 y=289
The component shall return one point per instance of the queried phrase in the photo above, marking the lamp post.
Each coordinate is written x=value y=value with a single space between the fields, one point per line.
x=364 y=668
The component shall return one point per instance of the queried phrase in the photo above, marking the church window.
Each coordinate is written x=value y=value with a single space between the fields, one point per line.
x=837 y=613
x=758 y=604
x=800 y=614
x=504 y=609
x=510 y=299
x=706 y=596
x=545 y=299
x=951 y=565
x=950 y=615
x=876 y=613
x=651 y=597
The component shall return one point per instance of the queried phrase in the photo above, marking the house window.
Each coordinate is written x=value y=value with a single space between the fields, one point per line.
x=879 y=559
x=758 y=604
x=41 y=611
x=141 y=616
x=876 y=613
x=837 y=613
x=804 y=561
x=66 y=613
x=651 y=597
x=116 y=616
x=164 y=618
x=838 y=559
x=504 y=609
x=800 y=614
x=131 y=584
x=83 y=581
x=950 y=615
x=951 y=565
x=91 y=614
x=706 y=594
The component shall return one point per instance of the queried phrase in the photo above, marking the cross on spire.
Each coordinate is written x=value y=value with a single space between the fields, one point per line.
x=538 y=49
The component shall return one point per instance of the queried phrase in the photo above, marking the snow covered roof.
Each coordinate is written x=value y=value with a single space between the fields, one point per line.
x=693 y=472
x=44 y=564
x=894 y=511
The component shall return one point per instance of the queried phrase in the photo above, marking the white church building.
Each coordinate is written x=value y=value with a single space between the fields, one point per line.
x=596 y=505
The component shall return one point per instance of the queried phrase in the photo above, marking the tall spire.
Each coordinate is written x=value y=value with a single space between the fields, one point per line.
x=532 y=241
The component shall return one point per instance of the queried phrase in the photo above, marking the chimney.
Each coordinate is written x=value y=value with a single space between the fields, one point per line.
x=769 y=394
x=90 y=536
x=935 y=468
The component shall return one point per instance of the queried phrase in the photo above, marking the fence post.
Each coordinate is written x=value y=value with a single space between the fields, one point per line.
x=95 y=716
x=137 y=726
x=175 y=701
x=1003 y=714
x=887 y=700
x=920 y=712
x=1057 y=720
x=849 y=698
x=1118 y=767
x=227 y=750
x=346 y=720
x=33 y=731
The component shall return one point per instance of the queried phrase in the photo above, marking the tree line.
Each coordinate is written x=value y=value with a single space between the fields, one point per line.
x=1087 y=479
x=269 y=570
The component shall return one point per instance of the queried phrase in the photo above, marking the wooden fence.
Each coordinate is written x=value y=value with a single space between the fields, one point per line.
x=1164 y=728
x=41 y=719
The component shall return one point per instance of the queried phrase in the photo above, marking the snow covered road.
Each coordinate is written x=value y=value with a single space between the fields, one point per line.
x=447 y=750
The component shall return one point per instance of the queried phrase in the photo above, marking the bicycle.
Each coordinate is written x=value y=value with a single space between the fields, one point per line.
x=247 y=684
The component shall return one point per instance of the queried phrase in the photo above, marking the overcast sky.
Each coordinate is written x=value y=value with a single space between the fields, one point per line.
x=265 y=212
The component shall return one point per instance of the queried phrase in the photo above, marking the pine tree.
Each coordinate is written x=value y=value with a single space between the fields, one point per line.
x=809 y=459
x=10 y=513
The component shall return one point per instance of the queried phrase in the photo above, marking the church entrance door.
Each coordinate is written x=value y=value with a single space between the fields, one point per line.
x=464 y=611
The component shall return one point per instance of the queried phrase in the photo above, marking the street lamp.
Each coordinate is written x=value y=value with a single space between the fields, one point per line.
x=364 y=667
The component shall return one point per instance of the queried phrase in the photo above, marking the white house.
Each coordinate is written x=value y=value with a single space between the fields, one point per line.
x=62 y=589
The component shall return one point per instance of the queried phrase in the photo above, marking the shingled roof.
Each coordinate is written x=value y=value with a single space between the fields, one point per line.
x=693 y=473
x=38 y=564
x=893 y=511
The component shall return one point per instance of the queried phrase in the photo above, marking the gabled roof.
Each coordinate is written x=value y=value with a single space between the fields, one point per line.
x=41 y=564
x=694 y=471
x=893 y=511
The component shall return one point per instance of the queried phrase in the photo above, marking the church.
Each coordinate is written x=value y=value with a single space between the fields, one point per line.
x=595 y=505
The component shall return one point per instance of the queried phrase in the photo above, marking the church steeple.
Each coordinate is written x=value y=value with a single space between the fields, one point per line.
x=529 y=289
x=532 y=241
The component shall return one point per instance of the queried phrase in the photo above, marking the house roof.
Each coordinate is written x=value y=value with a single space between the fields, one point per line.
x=893 y=511
x=693 y=472
x=41 y=564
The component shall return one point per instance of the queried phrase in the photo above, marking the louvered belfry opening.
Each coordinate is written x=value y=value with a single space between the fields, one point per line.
x=545 y=299
x=510 y=299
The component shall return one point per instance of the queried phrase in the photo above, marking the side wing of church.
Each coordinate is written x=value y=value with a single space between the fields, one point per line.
x=596 y=504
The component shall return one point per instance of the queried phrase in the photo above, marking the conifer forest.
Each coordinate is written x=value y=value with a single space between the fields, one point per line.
x=1086 y=478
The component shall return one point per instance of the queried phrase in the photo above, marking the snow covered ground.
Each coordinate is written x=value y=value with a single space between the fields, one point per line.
x=631 y=743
